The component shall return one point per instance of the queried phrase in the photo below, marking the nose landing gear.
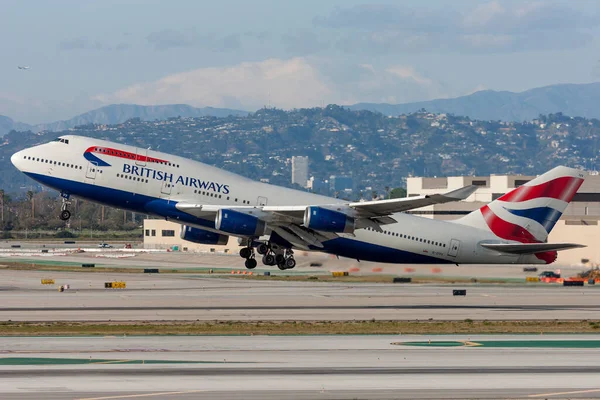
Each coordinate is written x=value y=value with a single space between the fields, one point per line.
x=65 y=214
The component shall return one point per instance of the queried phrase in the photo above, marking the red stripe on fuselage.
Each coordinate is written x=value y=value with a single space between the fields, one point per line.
x=563 y=188
x=124 y=154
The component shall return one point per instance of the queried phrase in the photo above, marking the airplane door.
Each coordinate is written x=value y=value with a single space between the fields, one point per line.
x=141 y=157
x=454 y=247
x=261 y=201
x=90 y=172
x=166 y=188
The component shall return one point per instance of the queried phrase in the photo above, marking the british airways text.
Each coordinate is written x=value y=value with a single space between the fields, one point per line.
x=183 y=180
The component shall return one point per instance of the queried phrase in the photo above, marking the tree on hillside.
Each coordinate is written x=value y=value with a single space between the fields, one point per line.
x=397 y=193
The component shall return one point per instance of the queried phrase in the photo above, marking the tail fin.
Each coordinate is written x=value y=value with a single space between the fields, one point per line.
x=528 y=213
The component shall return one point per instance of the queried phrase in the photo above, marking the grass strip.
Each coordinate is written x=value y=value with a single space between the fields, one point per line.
x=294 y=327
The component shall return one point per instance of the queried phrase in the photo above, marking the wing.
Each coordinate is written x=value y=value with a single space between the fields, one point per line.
x=529 y=248
x=288 y=221
x=377 y=210
x=386 y=207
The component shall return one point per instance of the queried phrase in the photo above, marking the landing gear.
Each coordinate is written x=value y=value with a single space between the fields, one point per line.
x=271 y=253
x=65 y=214
x=286 y=260
x=251 y=263
x=268 y=259
x=246 y=252
x=262 y=249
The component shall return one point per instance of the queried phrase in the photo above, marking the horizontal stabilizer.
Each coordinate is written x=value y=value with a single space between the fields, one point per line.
x=530 y=248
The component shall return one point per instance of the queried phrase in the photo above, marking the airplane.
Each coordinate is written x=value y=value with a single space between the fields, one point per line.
x=23 y=67
x=212 y=204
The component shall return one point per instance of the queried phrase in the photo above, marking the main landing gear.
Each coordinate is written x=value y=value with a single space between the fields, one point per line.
x=65 y=214
x=271 y=255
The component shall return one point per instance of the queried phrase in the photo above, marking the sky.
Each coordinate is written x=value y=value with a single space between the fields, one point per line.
x=283 y=53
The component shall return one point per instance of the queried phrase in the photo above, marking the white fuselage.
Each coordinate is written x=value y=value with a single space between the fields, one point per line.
x=113 y=174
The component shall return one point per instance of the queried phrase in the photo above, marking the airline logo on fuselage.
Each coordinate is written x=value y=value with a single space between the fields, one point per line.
x=150 y=173
x=90 y=155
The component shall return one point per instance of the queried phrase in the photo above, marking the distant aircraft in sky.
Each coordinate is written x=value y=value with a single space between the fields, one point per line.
x=212 y=204
x=23 y=67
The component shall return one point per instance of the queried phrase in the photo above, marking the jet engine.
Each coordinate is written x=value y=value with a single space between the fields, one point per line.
x=324 y=219
x=238 y=223
x=196 y=235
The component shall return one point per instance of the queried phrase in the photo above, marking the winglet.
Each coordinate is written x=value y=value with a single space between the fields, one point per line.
x=462 y=193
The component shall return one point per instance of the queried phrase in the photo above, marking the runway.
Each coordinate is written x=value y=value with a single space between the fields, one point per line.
x=303 y=367
x=178 y=297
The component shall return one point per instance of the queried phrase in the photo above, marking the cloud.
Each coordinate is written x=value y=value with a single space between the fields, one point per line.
x=486 y=27
x=303 y=43
x=410 y=74
x=82 y=43
x=292 y=83
x=249 y=85
x=171 y=39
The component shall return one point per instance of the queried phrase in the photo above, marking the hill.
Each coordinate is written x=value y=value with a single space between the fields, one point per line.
x=582 y=100
x=376 y=151
x=119 y=113
x=7 y=124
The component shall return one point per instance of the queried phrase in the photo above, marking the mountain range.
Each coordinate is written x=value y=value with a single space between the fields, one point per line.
x=119 y=113
x=581 y=100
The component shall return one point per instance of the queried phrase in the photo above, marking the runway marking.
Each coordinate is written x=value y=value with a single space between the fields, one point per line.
x=112 y=361
x=131 y=396
x=564 y=393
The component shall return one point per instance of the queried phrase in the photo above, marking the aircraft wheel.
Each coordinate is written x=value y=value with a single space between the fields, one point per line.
x=280 y=259
x=268 y=259
x=251 y=263
x=65 y=215
x=262 y=249
x=245 y=252
x=290 y=263
x=281 y=266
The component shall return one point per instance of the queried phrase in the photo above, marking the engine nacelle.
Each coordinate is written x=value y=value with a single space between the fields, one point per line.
x=196 y=235
x=323 y=219
x=240 y=224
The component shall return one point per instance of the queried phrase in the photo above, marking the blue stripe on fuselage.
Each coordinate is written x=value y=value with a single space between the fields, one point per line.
x=343 y=247
x=121 y=199
x=95 y=160
x=545 y=216
x=352 y=248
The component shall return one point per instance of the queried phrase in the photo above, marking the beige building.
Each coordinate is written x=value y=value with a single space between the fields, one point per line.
x=161 y=234
x=579 y=223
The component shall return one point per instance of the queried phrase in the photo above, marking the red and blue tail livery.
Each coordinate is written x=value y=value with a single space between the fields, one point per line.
x=528 y=213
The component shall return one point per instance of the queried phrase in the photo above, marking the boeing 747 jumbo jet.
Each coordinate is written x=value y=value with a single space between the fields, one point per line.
x=212 y=204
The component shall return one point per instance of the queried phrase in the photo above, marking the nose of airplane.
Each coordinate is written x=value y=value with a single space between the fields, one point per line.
x=16 y=159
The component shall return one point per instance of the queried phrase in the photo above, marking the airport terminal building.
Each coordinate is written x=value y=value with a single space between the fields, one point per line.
x=579 y=223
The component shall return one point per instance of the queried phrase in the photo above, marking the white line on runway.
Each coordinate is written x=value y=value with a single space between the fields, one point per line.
x=131 y=396
x=563 y=393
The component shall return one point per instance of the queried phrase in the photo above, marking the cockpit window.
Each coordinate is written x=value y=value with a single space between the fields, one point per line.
x=65 y=141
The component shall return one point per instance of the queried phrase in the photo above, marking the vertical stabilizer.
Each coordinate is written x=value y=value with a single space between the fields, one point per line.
x=528 y=213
